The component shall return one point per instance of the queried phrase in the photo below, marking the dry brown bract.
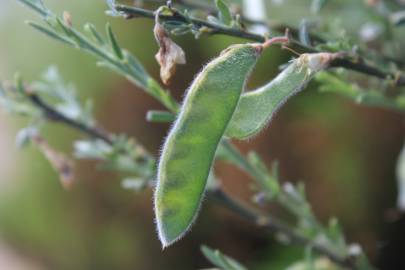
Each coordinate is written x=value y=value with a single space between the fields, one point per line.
x=170 y=54
x=62 y=164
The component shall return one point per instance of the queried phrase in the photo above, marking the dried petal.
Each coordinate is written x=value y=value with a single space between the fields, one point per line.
x=62 y=164
x=170 y=54
x=67 y=18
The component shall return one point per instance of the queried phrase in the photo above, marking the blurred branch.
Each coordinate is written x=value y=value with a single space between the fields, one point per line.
x=277 y=27
x=332 y=83
x=106 y=50
x=359 y=64
x=49 y=101
x=274 y=225
x=292 y=198
x=207 y=8
x=132 y=12
x=54 y=115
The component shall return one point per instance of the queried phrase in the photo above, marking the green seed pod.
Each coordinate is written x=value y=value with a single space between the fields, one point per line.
x=190 y=147
x=256 y=108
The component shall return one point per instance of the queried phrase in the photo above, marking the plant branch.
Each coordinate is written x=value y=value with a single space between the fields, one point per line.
x=278 y=27
x=209 y=9
x=272 y=224
x=359 y=65
x=220 y=197
x=53 y=115
x=128 y=66
x=133 y=12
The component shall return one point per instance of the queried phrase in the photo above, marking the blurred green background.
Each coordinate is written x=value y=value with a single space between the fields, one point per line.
x=345 y=154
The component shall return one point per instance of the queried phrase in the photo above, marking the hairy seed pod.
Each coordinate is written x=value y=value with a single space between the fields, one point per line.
x=190 y=147
x=256 y=108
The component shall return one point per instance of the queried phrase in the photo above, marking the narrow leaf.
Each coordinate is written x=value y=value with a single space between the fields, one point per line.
x=136 y=66
x=92 y=31
x=160 y=116
x=269 y=183
x=225 y=14
x=221 y=260
x=19 y=84
x=37 y=5
x=113 y=42
x=50 y=33
x=370 y=97
x=317 y=5
x=65 y=27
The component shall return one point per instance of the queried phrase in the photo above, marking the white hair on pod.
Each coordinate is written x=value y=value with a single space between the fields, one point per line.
x=401 y=181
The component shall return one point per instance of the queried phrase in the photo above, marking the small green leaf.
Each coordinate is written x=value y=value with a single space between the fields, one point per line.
x=135 y=184
x=135 y=161
x=65 y=28
x=37 y=5
x=331 y=83
x=19 y=84
x=335 y=234
x=114 y=68
x=154 y=89
x=50 y=33
x=221 y=260
x=257 y=162
x=269 y=183
x=317 y=5
x=113 y=42
x=316 y=264
x=160 y=116
x=92 y=31
x=225 y=15
x=138 y=71
x=94 y=149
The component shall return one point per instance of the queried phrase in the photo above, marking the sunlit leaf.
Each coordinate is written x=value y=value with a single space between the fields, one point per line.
x=225 y=14
x=220 y=260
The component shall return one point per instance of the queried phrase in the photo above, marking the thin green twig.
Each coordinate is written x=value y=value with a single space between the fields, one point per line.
x=360 y=65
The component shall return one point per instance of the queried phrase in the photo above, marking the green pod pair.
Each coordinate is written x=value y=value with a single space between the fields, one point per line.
x=256 y=108
x=189 y=150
